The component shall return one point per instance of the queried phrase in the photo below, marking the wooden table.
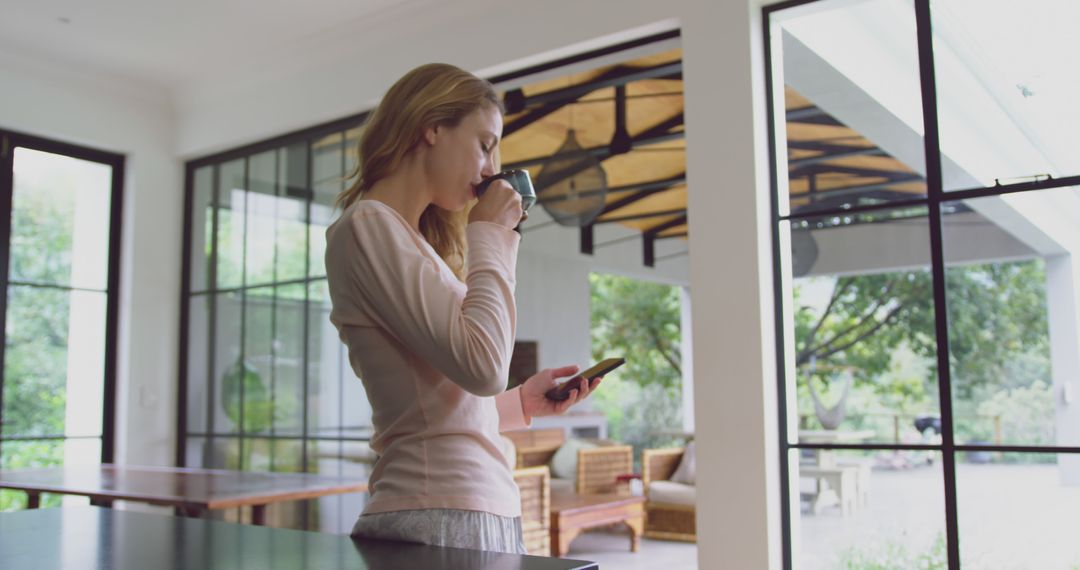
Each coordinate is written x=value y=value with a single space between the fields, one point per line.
x=91 y=537
x=191 y=491
x=572 y=513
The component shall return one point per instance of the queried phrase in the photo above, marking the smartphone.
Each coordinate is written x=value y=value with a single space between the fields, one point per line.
x=562 y=391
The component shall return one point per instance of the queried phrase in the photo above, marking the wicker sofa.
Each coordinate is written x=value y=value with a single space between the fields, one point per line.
x=597 y=467
x=670 y=509
x=535 y=486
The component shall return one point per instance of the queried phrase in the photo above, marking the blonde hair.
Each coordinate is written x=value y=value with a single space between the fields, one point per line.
x=432 y=94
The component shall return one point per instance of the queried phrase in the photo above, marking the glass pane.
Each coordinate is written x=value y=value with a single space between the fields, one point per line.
x=878 y=509
x=328 y=159
x=337 y=513
x=328 y=365
x=257 y=454
x=60 y=220
x=255 y=394
x=851 y=120
x=85 y=382
x=229 y=371
x=293 y=214
x=355 y=409
x=287 y=456
x=261 y=208
x=31 y=454
x=288 y=377
x=230 y=229
x=194 y=450
x=352 y=151
x=329 y=181
x=35 y=361
x=1012 y=293
x=291 y=241
x=1018 y=510
x=224 y=453
x=202 y=228
x=1006 y=89
x=862 y=327
x=198 y=384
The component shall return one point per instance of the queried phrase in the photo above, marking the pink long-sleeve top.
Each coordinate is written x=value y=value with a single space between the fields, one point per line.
x=433 y=354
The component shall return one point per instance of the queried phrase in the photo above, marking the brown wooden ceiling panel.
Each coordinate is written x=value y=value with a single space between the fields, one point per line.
x=881 y=163
x=660 y=58
x=826 y=133
x=646 y=223
x=910 y=187
x=833 y=181
x=633 y=167
x=667 y=200
x=792 y=99
x=675 y=231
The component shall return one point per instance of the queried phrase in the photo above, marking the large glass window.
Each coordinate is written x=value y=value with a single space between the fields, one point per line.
x=60 y=247
x=267 y=383
x=927 y=216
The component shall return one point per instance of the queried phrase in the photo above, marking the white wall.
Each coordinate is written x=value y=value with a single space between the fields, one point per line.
x=62 y=104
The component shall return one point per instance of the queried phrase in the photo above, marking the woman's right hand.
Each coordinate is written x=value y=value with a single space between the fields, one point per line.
x=500 y=204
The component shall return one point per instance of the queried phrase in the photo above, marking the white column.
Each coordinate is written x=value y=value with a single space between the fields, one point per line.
x=734 y=367
x=1063 y=314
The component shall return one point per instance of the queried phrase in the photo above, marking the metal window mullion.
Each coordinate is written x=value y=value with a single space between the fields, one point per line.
x=211 y=356
x=7 y=190
x=185 y=318
x=46 y=437
x=112 y=312
x=65 y=288
x=862 y=209
x=243 y=304
x=934 y=190
x=273 y=307
x=778 y=305
x=287 y=437
x=341 y=358
x=310 y=168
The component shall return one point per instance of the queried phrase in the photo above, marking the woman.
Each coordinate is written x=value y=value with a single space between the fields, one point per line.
x=425 y=305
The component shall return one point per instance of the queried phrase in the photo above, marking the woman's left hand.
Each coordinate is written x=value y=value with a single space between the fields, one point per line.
x=535 y=404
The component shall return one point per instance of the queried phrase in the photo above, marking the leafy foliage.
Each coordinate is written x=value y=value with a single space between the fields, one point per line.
x=640 y=320
x=997 y=332
x=35 y=351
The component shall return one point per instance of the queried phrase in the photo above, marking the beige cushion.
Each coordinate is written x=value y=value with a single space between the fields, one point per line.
x=671 y=492
x=510 y=451
x=564 y=462
x=562 y=485
x=686 y=472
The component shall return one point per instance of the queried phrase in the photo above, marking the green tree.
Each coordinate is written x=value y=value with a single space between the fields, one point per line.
x=639 y=321
x=35 y=348
x=997 y=330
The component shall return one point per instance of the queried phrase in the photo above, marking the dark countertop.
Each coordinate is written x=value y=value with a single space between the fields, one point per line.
x=93 y=537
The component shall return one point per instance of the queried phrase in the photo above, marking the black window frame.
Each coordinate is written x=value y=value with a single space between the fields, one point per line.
x=306 y=136
x=935 y=197
x=9 y=140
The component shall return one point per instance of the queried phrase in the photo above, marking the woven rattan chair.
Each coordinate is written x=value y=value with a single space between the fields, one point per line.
x=667 y=521
x=597 y=468
x=535 y=486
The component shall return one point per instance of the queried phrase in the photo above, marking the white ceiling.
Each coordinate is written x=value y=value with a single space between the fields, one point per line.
x=166 y=44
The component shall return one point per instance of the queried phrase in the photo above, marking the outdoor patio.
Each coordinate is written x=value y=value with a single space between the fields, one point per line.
x=902 y=521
